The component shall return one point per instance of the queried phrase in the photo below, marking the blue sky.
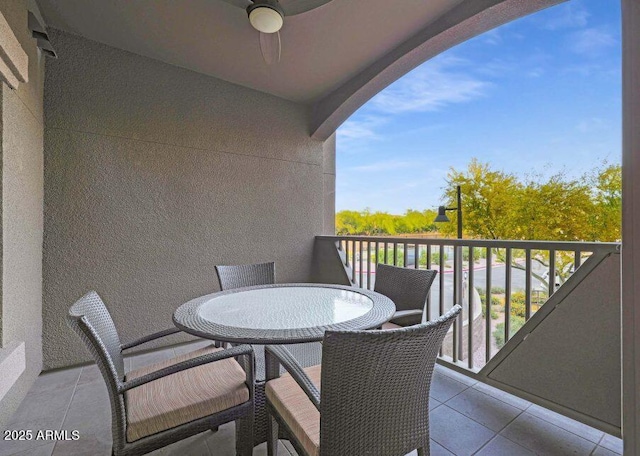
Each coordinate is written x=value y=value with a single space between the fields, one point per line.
x=536 y=96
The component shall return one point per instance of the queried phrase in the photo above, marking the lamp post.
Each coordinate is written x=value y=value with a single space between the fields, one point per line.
x=457 y=261
x=442 y=212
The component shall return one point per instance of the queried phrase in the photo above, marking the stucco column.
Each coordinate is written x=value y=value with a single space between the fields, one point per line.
x=329 y=186
x=631 y=225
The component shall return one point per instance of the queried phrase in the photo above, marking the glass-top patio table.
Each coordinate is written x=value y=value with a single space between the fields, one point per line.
x=293 y=313
x=282 y=314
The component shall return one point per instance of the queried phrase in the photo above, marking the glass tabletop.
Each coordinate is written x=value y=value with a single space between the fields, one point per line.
x=285 y=308
x=283 y=313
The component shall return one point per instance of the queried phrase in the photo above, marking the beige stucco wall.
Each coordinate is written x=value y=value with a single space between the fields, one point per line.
x=630 y=224
x=22 y=196
x=153 y=175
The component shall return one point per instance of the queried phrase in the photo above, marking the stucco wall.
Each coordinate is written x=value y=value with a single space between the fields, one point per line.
x=329 y=185
x=22 y=196
x=630 y=224
x=153 y=175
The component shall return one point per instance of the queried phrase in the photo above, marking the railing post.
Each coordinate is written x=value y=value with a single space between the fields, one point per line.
x=487 y=319
x=470 y=311
x=457 y=299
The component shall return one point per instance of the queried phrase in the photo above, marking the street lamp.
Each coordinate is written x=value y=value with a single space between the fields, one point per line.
x=442 y=212
x=457 y=260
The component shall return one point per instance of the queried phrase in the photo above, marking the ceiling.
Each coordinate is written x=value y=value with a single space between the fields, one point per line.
x=321 y=49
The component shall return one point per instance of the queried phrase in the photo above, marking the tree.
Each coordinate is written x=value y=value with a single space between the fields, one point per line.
x=557 y=209
x=348 y=222
x=607 y=194
x=382 y=223
x=496 y=205
x=487 y=202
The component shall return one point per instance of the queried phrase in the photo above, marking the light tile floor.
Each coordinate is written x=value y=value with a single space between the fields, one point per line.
x=466 y=418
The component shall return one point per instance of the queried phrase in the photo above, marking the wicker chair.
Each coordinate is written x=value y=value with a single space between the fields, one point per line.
x=375 y=392
x=408 y=289
x=246 y=275
x=161 y=404
x=309 y=354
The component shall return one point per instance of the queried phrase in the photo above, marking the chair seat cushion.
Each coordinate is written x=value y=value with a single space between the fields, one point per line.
x=295 y=408
x=184 y=396
x=389 y=325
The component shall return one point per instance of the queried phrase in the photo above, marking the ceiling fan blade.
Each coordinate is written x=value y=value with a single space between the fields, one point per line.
x=239 y=3
x=293 y=7
x=271 y=47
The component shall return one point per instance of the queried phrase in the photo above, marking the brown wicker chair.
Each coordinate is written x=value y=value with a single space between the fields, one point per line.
x=375 y=392
x=247 y=275
x=161 y=404
x=408 y=289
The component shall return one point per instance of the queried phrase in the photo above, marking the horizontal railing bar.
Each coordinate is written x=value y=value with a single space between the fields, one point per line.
x=535 y=245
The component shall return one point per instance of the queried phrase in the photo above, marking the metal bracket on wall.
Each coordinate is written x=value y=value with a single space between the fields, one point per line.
x=39 y=32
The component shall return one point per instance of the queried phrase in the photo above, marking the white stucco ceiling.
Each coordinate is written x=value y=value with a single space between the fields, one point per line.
x=321 y=49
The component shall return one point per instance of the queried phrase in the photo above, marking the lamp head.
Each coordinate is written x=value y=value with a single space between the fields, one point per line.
x=442 y=215
x=266 y=16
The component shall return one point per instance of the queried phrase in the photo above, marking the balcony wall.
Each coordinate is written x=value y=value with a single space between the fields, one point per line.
x=21 y=132
x=154 y=174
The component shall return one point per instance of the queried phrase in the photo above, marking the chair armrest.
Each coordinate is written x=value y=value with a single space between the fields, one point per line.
x=288 y=361
x=149 y=338
x=240 y=350
x=407 y=313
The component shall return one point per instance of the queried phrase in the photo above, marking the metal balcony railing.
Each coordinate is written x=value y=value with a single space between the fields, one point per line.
x=500 y=284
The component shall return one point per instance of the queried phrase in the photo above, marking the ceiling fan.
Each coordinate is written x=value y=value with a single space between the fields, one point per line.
x=267 y=17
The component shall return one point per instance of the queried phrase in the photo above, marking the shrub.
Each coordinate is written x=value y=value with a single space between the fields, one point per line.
x=478 y=253
x=539 y=297
x=518 y=309
x=497 y=290
x=518 y=304
x=435 y=258
x=515 y=324
x=483 y=301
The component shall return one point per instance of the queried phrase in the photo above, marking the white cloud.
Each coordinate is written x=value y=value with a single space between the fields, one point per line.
x=496 y=68
x=570 y=15
x=592 y=124
x=591 y=41
x=360 y=129
x=382 y=166
x=492 y=37
x=536 y=72
x=430 y=87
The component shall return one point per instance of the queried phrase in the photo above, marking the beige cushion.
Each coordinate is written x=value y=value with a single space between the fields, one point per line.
x=184 y=396
x=296 y=409
x=389 y=325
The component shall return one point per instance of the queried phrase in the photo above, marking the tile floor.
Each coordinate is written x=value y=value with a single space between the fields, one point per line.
x=467 y=418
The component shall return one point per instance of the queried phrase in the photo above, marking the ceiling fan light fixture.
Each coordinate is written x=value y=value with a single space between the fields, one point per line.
x=266 y=17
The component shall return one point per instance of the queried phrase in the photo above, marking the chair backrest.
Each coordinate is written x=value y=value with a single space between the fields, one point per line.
x=246 y=275
x=90 y=319
x=375 y=388
x=406 y=287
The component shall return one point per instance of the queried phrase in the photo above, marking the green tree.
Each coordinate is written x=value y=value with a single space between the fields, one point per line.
x=607 y=194
x=557 y=209
x=487 y=202
x=497 y=205
x=382 y=223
